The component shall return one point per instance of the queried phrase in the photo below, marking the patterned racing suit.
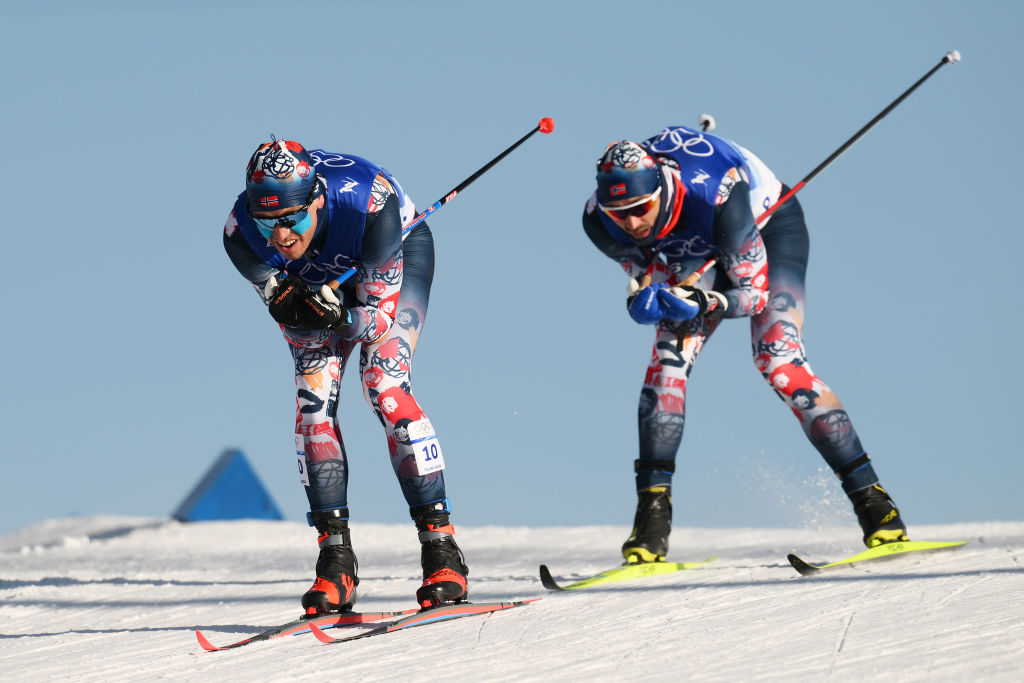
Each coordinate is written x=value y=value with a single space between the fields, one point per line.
x=711 y=191
x=360 y=225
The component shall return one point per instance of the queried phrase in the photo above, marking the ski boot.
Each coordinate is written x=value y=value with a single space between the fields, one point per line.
x=878 y=516
x=334 y=589
x=444 y=567
x=651 y=526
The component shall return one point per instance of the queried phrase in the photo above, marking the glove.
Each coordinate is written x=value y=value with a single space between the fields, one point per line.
x=645 y=305
x=321 y=309
x=283 y=299
x=687 y=303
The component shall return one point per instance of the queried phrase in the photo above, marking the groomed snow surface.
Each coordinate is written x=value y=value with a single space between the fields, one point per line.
x=118 y=599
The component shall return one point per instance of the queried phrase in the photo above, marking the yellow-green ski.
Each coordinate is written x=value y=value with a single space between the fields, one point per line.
x=625 y=572
x=877 y=553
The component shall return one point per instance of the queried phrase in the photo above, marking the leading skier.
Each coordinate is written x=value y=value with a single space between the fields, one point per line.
x=305 y=218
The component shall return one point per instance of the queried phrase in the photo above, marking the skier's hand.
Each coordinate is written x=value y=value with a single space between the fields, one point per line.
x=687 y=303
x=283 y=299
x=644 y=303
x=321 y=309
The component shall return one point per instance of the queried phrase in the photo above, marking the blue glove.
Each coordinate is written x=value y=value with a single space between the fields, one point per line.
x=686 y=303
x=645 y=306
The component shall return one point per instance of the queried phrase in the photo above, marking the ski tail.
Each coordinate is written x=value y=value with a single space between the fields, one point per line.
x=206 y=644
x=547 y=580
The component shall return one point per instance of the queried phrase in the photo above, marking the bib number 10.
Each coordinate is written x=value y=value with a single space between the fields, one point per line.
x=428 y=456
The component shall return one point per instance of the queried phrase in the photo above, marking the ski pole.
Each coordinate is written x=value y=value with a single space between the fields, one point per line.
x=951 y=57
x=546 y=125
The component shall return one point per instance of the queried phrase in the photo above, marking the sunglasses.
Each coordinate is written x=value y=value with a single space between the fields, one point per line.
x=296 y=221
x=638 y=208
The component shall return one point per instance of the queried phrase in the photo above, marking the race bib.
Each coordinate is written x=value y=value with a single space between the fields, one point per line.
x=426 y=448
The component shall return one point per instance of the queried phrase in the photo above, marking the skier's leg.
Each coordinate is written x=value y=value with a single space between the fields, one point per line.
x=780 y=356
x=661 y=416
x=324 y=471
x=416 y=457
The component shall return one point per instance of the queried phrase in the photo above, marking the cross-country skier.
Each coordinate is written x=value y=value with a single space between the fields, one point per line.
x=662 y=208
x=305 y=218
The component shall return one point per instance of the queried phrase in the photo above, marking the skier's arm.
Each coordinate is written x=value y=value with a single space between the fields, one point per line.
x=377 y=282
x=259 y=273
x=742 y=256
x=245 y=259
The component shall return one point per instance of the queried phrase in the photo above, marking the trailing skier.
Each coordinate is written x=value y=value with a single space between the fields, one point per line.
x=662 y=208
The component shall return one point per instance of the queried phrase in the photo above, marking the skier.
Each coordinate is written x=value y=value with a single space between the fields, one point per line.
x=662 y=208
x=305 y=218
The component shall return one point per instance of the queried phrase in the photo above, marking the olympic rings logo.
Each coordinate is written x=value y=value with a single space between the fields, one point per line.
x=332 y=160
x=690 y=142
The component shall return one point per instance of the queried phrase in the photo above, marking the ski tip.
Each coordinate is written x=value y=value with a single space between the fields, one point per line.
x=804 y=568
x=320 y=635
x=547 y=580
x=204 y=643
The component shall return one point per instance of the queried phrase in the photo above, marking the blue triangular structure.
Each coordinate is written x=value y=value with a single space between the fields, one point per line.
x=230 y=489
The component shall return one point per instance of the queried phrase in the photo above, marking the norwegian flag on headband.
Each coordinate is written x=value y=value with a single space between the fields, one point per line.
x=626 y=169
x=269 y=201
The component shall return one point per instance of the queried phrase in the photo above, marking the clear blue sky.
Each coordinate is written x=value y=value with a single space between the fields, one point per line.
x=132 y=352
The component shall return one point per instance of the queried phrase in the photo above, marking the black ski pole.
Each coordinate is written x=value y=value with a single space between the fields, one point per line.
x=546 y=125
x=951 y=57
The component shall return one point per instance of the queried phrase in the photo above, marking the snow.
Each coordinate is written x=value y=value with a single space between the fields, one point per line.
x=118 y=599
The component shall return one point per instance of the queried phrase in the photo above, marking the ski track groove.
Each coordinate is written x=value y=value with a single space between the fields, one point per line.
x=960 y=590
x=847 y=622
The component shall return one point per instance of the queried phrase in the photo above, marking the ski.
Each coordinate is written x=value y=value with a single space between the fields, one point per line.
x=302 y=624
x=625 y=572
x=879 y=552
x=431 y=615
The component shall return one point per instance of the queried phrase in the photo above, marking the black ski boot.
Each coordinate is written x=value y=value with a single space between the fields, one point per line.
x=334 y=589
x=651 y=526
x=878 y=516
x=444 y=567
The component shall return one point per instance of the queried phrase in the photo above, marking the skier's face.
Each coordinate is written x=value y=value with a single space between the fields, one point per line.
x=289 y=243
x=638 y=221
